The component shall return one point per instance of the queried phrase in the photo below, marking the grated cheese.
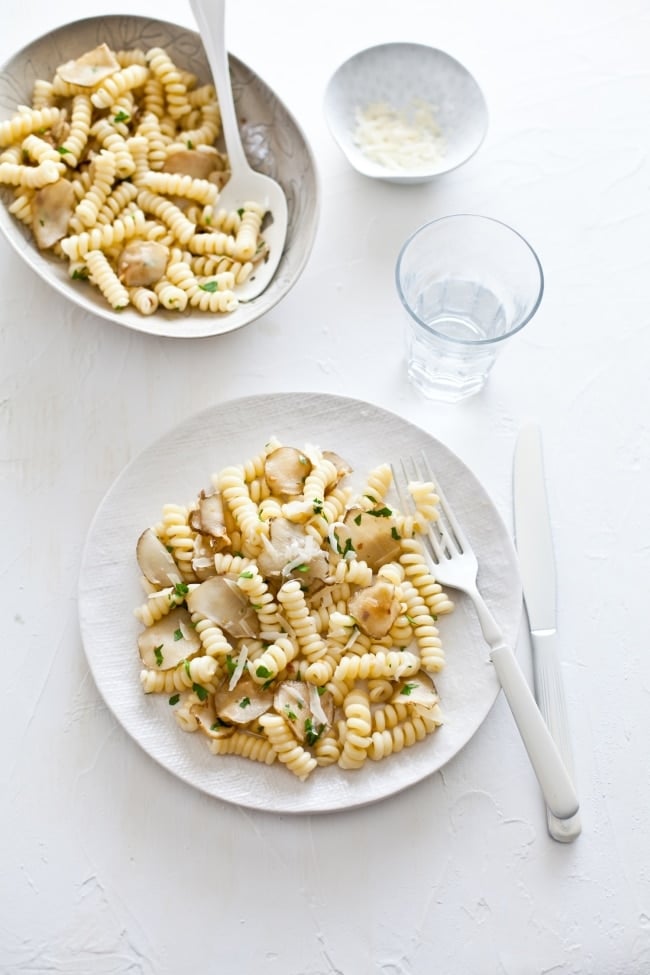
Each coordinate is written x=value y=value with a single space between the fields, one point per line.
x=239 y=669
x=408 y=140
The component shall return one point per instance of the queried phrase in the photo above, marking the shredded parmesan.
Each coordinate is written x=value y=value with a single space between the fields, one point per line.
x=408 y=140
x=239 y=669
x=316 y=706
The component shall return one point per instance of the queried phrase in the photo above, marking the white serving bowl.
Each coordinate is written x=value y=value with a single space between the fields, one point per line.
x=273 y=140
x=400 y=75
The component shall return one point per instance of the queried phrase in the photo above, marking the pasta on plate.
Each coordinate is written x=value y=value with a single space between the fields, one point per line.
x=290 y=616
x=115 y=169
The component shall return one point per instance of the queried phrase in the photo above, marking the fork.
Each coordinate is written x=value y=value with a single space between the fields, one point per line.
x=454 y=564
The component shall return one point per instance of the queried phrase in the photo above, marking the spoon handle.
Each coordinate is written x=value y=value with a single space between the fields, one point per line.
x=210 y=16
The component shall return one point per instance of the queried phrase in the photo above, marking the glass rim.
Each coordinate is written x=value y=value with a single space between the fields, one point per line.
x=461 y=341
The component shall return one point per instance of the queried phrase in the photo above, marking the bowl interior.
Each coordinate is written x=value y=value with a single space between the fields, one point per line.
x=274 y=143
x=401 y=74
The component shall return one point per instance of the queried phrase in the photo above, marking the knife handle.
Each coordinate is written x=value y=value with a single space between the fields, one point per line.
x=544 y=755
x=549 y=690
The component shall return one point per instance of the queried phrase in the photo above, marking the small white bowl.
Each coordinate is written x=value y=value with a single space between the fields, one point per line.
x=401 y=75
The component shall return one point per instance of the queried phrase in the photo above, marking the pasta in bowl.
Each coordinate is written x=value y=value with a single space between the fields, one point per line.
x=111 y=128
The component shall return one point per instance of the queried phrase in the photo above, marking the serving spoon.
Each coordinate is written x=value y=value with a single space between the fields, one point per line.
x=245 y=183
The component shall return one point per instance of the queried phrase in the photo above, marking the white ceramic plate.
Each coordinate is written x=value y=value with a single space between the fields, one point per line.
x=274 y=143
x=174 y=469
x=401 y=74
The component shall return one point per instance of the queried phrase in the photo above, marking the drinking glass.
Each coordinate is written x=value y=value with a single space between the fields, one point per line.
x=468 y=283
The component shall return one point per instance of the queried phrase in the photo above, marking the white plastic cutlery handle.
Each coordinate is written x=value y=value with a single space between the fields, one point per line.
x=552 y=774
x=210 y=16
x=550 y=698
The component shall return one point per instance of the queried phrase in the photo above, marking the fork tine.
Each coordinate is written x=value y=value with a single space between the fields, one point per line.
x=457 y=535
x=399 y=490
x=435 y=538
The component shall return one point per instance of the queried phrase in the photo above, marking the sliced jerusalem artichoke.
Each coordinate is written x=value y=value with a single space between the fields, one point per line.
x=419 y=690
x=342 y=466
x=243 y=704
x=372 y=535
x=52 y=207
x=169 y=641
x=142 y=263
x=91 y=68
x=289 y=551
x=285 y=470
x=203 y=558
x=209 y=722
x=155 y=561
x=208 y=518
x=218 y=599
x=307 y=713
x=375 y=608
x=198 y=163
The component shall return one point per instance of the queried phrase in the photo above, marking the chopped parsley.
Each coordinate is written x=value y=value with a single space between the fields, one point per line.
x=178 y=634
x=210 y=286
x=357 y=520
x=348 y=547
x=240 y=212
x=122 y=117
x=180 y=590
x=262 y=671
x=200 y=692
x=159 y=654
x=318 y=506
x=245 y=701
x=246 y=574
x=407 y=689
x=80 y=274
x=395 y=534
x=384 y=512
x=62 y=151
x=231 y=666
x=292 y=716
x=312 y=734
x=174 y=699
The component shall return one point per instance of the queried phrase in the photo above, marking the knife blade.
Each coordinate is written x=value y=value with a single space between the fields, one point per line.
x=534 y=543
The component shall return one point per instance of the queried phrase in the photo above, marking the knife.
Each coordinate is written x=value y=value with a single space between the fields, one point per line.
x=537 y=563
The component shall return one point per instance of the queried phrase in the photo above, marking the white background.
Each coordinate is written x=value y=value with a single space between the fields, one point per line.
x=109 y=864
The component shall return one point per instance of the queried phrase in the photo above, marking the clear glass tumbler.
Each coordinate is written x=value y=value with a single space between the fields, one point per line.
x=468 y=283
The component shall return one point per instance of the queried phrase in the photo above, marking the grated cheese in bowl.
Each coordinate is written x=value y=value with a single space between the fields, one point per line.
x=407 y=140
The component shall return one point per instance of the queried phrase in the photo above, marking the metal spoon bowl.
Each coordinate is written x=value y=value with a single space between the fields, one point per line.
x=245 y=183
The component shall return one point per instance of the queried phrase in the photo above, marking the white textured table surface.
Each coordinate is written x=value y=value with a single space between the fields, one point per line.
x=110 y=864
